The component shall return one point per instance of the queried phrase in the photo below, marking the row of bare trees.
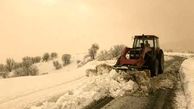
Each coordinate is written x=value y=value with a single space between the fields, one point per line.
x=26 y=67
x=46 y=57
x=112 y=53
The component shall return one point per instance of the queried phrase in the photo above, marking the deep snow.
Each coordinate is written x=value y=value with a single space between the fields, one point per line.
x=187 y=79
x=181 y=54
x=96 y=88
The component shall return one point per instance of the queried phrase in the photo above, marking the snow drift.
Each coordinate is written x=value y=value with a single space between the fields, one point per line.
x=187 y=79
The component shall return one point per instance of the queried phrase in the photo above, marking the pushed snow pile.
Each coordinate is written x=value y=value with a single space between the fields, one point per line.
x=106 y=83
x=187 y=79
x=99 y=70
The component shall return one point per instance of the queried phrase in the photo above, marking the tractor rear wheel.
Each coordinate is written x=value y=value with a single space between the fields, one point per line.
x=155 y=68
x=161 y=63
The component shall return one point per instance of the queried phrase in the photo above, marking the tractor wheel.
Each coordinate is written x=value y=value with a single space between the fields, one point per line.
x=161 y=63
x=155 y=68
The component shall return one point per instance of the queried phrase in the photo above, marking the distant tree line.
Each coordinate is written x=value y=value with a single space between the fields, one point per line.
x=27 y=67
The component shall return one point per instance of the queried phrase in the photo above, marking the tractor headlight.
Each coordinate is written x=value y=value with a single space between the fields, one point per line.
x=132 y=55
x=127 y=56
x=137 y=55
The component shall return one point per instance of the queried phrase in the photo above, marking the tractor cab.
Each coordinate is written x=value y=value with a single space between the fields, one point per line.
x=141 y=43
x=146 y=41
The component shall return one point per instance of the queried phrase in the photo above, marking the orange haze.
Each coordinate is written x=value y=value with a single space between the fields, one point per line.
x=33 y=27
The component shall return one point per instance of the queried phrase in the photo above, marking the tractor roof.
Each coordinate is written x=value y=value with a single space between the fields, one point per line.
x=146 y=36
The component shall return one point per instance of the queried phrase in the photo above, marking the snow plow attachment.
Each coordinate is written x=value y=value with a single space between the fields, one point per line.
x=126 y=63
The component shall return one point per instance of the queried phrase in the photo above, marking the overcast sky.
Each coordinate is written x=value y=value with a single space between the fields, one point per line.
x=33 y=27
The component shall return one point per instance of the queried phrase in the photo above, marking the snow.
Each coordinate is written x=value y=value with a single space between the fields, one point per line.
x=180 y=98
x=16 y=93
x=187 y=75
x=47 y=67
x=96 y=88
x=181 y=54
x=23 y=92
x=168 y=58
x=69 y=85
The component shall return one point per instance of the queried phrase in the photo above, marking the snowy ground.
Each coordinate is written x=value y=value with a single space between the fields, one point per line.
x=69 y=84
x=22 y=92
x=19 y=92
x=168 y=58
x=187 y=79
x=96 y=88
x=181 y=54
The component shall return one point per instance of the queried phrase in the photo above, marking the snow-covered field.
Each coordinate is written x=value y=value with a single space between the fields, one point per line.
x=17 y=93
x=187 y=79
x=20 y=92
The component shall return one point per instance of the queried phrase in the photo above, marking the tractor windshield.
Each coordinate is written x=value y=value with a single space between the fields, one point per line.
x=141 y=42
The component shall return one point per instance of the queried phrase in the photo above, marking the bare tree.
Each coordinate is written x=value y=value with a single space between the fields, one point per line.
x=46 y=57
x=104 y=55
x=66 y=58
x=2 y=67
x=10 y=64
x=27 y=61
x=116 y=51
x=36 y=59
x=54 y=55
x=57 y=65
x=93 y=51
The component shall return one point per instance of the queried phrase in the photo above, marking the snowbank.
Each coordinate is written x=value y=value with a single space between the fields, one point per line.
x=97 y=87
x=168 y=58
x=187 y=79
x=181 y=54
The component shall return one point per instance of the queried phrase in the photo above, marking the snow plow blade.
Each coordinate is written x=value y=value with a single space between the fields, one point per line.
x=120 y=67
x=130 y=68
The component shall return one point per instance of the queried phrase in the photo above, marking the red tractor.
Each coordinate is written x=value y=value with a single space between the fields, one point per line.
x=145 y=54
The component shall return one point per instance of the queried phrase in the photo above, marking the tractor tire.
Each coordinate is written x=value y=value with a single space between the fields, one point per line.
x=155 y=68
x=161 y=62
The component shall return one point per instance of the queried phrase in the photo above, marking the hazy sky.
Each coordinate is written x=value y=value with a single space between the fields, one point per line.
x=33 y=27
